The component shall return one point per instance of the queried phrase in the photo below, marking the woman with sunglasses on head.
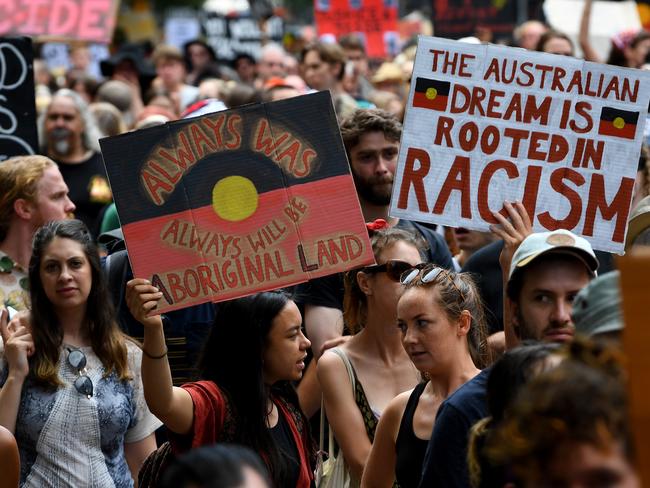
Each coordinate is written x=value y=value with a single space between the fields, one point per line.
x=442 y=328
x=374 y=356
x=245 y=396
x=71 y=388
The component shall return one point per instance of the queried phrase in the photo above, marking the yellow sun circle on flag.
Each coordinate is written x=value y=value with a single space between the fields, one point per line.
x=431 y=93
x=234 y=198
x=619 y=123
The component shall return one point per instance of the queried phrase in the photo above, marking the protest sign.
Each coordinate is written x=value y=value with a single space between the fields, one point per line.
x=17 y=101
x=375 y=21
x=181 y=26
x=233 y=35
x=239 y=201
x=461 y=18
x=487 y=124
x=87 y=20
x=635 y=289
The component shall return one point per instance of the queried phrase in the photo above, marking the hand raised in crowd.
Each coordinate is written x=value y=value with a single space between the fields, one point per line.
x=142 y=299
x=18 y=344
x=513 y=230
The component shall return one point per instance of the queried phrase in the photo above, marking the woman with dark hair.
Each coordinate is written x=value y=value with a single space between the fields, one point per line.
x=71 y=390
x=630 y=49
x=253 y=353
x=360 y=378
x=443 y=331
x=198 y=57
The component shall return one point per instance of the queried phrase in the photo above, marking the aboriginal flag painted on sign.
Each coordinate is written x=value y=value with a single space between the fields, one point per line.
x=227 y=188
x=431 y=94
x=618 y=123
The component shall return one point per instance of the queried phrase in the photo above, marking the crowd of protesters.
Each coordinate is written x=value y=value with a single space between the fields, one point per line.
x=461 y=358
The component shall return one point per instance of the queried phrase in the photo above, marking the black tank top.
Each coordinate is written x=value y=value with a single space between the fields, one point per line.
x=283 y=438
x=409 y=449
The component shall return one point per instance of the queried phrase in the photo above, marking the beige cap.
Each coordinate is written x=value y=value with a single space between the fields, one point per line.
x=639 y=221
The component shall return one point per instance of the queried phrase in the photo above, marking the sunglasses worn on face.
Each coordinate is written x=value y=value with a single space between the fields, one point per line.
x=429 y=274
x=393 y=268
x=83 y=384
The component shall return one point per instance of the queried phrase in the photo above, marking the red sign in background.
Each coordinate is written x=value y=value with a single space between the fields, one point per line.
x=374 y=20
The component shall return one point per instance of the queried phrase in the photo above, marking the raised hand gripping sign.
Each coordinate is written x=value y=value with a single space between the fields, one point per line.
x=239 y=201
x=487 y=124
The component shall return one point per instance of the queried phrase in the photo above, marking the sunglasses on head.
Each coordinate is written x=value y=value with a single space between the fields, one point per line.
x=393 y=268
x=83 y=384
x=429 y=274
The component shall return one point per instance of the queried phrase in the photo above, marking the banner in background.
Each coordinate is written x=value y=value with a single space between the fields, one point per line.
x=233 y=35
x=454 y=19
x=239 y=201
x=18 y=134
x=487 y=124
x=375 y=21
x=85 y=20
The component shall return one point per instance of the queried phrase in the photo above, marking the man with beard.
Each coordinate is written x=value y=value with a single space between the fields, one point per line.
x=547 y=272
x=371 y=138
x=32 y=193
x=70 y=137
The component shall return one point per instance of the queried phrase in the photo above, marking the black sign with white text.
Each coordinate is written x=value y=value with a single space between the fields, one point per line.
x=17 y=101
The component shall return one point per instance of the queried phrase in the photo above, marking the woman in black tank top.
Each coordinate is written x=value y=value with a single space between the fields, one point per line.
x=443 y=332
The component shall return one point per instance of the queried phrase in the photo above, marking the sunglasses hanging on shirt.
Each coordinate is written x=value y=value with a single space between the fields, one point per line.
x=77 y=360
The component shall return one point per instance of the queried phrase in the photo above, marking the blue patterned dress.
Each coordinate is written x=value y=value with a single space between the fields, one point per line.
x=66 y=439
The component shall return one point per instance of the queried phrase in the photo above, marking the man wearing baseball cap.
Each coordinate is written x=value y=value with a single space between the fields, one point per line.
x=547 y=271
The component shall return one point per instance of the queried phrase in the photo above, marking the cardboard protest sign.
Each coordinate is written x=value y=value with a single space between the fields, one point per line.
x=635 y=289
x=87 y=20
x=487 y=124
x=375 y=21
x=237 y=202
x=233 y=35
x=17 y=101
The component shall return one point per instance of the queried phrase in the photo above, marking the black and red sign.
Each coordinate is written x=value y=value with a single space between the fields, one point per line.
x=239 y=201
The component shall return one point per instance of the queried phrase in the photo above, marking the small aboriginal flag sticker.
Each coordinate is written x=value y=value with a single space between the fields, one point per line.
x=619 y=123
x=431 y=94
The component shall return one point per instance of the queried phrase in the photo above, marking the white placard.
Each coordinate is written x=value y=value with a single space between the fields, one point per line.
x=487 y=124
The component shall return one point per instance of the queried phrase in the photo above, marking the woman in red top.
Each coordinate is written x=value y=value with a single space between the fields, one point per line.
x=255 y=349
